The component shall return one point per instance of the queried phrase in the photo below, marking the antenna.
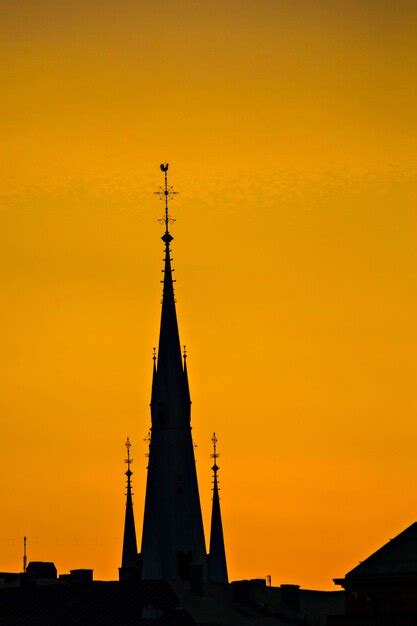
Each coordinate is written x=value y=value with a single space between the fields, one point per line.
x=25 y=558
x=166 y=192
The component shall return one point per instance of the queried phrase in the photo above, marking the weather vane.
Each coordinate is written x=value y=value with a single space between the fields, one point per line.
x=166 y=192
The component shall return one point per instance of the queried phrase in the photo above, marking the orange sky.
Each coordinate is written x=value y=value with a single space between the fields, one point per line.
x=291 y=133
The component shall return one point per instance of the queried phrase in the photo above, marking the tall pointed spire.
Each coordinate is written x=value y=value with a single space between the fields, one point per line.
x=217 y=566
x=173 y=545
x=130 y=552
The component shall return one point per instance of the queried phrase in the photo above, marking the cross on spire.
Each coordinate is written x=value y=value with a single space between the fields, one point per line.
x=166 y=192
x=128 y=461
x=215 y=455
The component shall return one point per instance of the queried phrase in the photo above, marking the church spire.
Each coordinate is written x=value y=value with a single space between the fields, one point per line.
x=173 y=545
x=169 y=362
x=217 y=565
x=130 y=551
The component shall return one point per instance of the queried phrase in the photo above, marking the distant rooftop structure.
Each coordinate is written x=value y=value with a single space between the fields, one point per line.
x=398 y=556
x=41 y=569
x=382 y=589
x=93 y=604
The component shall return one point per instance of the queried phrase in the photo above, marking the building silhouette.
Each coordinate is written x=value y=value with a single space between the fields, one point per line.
x=382 y=589
x=173 y=544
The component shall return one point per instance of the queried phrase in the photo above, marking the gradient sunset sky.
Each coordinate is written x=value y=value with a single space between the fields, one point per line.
x=291 y=131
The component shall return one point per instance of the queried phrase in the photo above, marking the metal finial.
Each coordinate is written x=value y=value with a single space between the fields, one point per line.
x=166 y=192
x=154 y=354
x=215 y=455
x=129 y=461
x=184 y=353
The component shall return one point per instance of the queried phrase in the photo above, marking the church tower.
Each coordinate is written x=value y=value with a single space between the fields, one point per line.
x=173 y=545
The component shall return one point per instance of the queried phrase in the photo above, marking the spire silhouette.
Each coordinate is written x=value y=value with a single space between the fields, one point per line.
x=217 y=566
x=173 y=545
x=168 y=370
x=130 y=551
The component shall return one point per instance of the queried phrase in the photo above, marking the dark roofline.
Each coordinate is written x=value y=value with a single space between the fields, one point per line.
x=357 y=571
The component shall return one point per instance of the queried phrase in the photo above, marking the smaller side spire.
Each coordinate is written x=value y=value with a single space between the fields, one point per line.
x=217 y=566
x=130 y=561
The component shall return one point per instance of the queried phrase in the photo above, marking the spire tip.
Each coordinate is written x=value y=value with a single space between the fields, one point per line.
x=166 y=192
x=215 y=455
x=128 y=461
